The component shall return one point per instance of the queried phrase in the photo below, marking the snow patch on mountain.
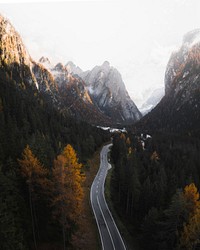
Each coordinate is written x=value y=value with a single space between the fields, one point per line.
x=108 y=91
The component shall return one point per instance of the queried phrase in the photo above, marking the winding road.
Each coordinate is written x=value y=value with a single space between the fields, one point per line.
x=109 y=233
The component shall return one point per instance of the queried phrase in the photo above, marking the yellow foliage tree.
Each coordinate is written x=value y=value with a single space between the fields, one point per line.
x=122 y=136
x=190 y=235
x=67 y=190
x=35 y=175
x=155 y=157
x=191 y=196
x=128 y=141
x=130 y=150
x=33 y=171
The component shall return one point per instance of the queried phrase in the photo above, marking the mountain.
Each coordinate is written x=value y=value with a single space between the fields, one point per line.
x=98 y=96
x=60 y=74
x=179 y=109
x=76 y=101
x=13 y=55
x=18 y=64
x=73 y=69
x=73 y=96
x=66 y=92
x=102 y=88
x=46 y=62
x=152 y=101
x=108 y=92
x=12 y=47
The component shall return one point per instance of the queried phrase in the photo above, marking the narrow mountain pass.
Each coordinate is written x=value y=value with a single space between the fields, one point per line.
x=109 y=233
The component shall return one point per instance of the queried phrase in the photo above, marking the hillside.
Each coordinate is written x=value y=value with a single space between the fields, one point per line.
x=178 y=111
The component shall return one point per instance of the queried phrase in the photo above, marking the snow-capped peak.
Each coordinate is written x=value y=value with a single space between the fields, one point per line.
x=108 y=91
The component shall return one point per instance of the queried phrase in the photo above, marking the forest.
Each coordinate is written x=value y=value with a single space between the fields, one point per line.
x=154 y=188
x=41 y=175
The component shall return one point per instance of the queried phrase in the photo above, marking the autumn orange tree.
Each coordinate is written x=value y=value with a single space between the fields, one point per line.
x=191 y=196
x=36 y=178
x=190 y=236
x=67 y=192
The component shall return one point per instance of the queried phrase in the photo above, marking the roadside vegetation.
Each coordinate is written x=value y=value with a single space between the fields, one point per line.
x=154 y=188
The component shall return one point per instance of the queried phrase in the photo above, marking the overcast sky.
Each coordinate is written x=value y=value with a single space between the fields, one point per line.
x=136 y=36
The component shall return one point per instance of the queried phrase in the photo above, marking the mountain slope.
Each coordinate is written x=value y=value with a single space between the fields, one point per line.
x=108 y=92
x=179 y=109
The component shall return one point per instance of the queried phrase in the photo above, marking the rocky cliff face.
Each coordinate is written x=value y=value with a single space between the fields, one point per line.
x=179 y=109
x=18 y=63
x=12 y=47
x=183 y=63
x=13 y=55
x=45 y=80
x=108 y=92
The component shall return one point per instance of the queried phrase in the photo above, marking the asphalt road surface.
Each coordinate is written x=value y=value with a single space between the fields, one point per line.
x=109 y=233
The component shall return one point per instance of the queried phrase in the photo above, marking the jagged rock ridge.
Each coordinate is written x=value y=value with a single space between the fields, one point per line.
x=108 y=92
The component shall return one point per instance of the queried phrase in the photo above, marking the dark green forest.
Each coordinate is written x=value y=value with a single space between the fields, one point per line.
x=28 y=117
x=154 y=188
